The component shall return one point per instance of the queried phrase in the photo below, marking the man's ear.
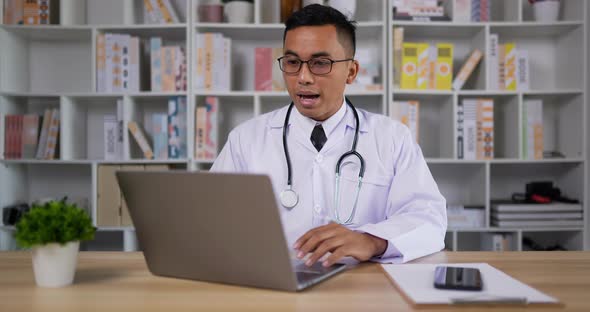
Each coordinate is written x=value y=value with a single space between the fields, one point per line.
x=353 y=70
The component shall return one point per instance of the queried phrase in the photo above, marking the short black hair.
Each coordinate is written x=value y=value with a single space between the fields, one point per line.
x=320 y=15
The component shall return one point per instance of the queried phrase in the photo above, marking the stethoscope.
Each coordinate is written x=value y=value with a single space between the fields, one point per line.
x=289 y=197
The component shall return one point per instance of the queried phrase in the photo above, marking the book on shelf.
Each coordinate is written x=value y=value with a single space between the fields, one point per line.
x=522 y=70
x=408 y=113
x=110 y=137
x=117 y=63
x=160 y=135
x=167 y=67
x=206 y=129
x=409 y=75
x=177 y=131
x=212 y=69
x=30 y=135
x=532 y=127
x=114 y=127
x=444 y=66
x=512 y=207
x=263 y=69
x=418 y=10
x=43 y=135
x=505 y=213
x=467 y=69
x=475 y=124
x=398 y=40
x=472 y=10
x=160 y=12
x=537 y=223
x=13 y=12
x=493 y=58
x=510 y=66
x=536 y=215
x=31 y=12
x=425 y=66
x=140 y=139
x=52 y=145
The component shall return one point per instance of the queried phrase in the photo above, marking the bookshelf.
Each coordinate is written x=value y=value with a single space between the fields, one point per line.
x=54 y=66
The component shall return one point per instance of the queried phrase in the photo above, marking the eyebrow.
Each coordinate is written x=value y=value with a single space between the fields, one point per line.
x=317 y=54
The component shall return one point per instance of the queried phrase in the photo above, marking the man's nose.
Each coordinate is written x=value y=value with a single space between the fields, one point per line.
x=305 y=76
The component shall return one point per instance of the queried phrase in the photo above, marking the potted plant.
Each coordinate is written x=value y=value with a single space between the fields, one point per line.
x=545 y=10
x=53 y=231
x=238 y=11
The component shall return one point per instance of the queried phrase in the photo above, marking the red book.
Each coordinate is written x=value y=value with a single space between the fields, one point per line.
x=263 y=70
x=7 y=135
x=19 y=137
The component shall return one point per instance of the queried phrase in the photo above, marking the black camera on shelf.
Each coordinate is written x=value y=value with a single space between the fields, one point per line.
x=12 y=214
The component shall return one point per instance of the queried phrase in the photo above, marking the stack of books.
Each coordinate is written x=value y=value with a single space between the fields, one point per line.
x=475 y=129
x=160 y=12
x=168 y=67
x=31 y=12
x=472 y=10
x=509 y=66
x=117 y=63
x=32 y=136
x=424 y=66
x=510 y=214
x=419 y=10
x=212 y=69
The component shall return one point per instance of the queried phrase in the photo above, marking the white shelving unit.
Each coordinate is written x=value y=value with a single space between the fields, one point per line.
x=558 y=55
x=54 y=67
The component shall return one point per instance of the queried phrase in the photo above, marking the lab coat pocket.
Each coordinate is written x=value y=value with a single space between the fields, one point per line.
x=372 y=198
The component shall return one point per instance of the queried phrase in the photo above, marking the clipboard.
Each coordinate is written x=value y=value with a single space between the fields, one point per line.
x=415 y=282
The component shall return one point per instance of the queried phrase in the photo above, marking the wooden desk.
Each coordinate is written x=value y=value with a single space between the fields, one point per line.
x=121 y=281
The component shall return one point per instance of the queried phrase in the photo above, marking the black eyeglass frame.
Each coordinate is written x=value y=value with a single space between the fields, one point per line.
x=310 y=67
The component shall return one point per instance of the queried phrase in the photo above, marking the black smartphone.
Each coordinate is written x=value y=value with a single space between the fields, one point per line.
x=458 y=278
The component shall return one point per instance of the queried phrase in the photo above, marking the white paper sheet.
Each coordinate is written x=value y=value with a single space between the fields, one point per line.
x=417 y=283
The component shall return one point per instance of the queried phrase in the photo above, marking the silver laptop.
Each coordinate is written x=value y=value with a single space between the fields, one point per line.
x=214 y=227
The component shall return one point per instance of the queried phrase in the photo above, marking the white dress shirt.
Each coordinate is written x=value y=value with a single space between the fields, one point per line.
x=399 y=200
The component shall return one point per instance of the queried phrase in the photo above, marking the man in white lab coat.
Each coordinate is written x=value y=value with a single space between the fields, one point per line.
x=400 y=214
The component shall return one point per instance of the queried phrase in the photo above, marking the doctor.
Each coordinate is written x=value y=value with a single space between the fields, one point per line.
x=383 y=204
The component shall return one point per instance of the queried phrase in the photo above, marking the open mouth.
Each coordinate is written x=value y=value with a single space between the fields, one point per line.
x=308 y=99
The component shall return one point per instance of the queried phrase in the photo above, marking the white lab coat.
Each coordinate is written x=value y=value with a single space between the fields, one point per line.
x=399 y=200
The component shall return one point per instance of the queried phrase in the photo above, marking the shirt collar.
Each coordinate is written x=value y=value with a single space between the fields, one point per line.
x=277 y=120
x=307 y=124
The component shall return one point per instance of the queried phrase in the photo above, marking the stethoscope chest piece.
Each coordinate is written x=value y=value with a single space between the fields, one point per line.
x=289 y=198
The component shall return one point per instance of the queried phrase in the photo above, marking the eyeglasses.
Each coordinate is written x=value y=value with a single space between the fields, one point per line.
x=318 y=65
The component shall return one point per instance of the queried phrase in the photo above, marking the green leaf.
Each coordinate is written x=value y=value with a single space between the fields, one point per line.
x=53 y=222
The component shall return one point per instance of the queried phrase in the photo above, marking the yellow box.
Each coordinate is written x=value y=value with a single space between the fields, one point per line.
x=409 y=66
x=510 y=66
x=444 y=66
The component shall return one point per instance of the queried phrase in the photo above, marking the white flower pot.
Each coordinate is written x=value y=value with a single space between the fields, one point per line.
x=239 y=12
x=55 y=265
x=546 y=11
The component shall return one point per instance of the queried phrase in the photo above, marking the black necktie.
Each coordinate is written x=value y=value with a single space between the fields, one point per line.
x=318 y=137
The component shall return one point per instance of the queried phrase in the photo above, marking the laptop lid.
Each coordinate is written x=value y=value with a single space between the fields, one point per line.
x=213 y=227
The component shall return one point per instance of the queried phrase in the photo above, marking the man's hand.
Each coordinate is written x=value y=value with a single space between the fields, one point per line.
x=341 y=242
